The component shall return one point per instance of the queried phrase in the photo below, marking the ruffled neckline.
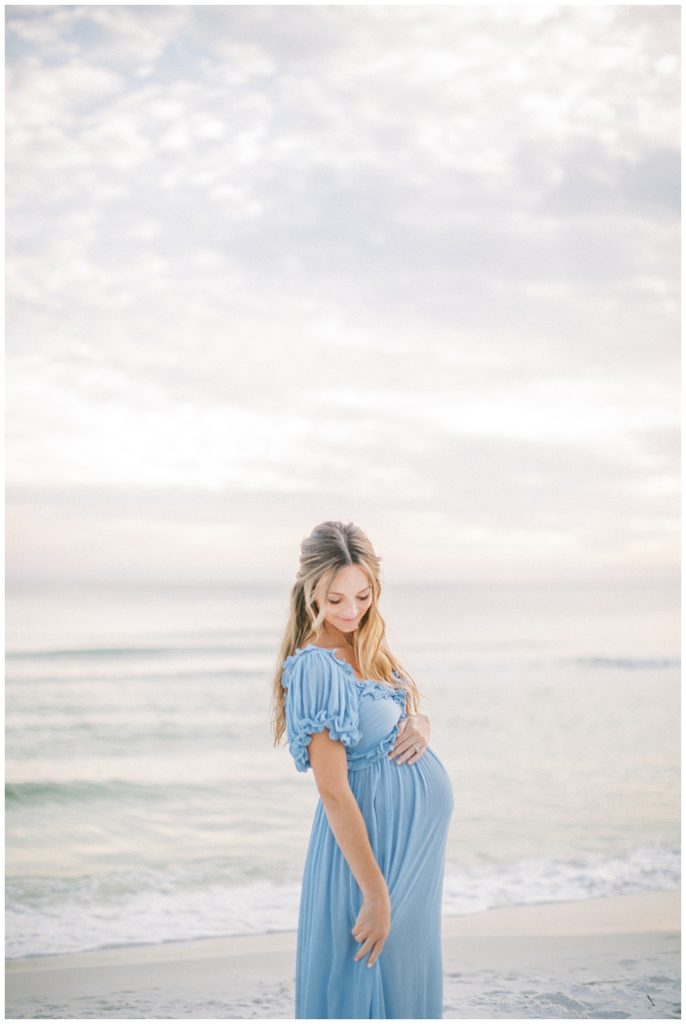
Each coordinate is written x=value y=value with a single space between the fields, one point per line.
x=366 y=685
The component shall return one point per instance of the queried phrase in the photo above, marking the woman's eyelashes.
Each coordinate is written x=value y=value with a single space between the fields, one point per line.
x=331 y=601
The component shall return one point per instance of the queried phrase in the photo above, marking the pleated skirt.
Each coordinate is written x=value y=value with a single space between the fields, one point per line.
x=407 y=810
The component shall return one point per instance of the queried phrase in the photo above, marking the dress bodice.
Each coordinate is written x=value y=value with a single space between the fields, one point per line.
x=324 y=692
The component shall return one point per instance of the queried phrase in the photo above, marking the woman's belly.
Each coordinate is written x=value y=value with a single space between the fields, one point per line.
x=427 y=784
x=407 y=809
x=397 y=796
x=402 y=797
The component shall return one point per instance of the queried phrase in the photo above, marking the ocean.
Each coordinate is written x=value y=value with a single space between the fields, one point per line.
x=145 y=801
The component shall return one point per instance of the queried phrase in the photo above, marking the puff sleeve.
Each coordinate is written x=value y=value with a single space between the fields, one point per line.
x=319 y=696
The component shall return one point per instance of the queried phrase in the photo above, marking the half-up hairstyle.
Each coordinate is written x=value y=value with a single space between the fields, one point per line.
x=330 y=547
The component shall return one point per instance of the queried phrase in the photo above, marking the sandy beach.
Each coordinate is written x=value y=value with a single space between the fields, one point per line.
x=604 y=958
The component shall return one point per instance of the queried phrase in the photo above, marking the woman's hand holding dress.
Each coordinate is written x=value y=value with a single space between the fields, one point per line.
x=373 y=924
x=414 y=730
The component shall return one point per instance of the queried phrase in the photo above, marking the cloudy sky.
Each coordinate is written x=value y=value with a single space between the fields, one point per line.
x=411 y=266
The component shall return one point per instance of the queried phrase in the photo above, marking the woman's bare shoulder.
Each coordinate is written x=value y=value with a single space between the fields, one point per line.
x=338 y=651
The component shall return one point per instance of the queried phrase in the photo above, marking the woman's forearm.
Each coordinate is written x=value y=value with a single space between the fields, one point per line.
x=350 y=830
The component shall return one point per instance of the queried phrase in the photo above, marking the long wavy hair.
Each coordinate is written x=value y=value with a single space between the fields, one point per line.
x=332 y=546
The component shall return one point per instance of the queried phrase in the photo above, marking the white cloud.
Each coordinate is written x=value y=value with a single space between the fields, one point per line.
x=371 y=258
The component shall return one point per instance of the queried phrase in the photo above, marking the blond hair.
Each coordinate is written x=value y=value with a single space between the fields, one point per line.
x=330 y=547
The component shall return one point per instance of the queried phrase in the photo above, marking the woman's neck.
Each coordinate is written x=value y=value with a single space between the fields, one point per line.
x=332 y=638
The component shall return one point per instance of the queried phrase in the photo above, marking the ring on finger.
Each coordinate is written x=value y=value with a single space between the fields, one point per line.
x=408 y=753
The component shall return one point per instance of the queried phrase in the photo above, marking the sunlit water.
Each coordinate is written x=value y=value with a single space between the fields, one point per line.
x=145 y=800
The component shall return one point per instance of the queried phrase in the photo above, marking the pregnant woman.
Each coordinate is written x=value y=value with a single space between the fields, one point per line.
x=369 y=926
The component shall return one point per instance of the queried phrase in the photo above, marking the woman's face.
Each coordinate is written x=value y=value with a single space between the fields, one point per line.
x=348 y=598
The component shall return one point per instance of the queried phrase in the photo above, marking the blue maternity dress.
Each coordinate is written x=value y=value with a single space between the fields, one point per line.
x=407 y=810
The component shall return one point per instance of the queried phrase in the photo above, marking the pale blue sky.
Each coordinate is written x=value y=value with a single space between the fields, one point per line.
x=415 y=267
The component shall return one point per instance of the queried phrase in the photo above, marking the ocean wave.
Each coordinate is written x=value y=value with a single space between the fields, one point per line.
x=197 y=900
x=31 y=793
x=627 y=663
x=78 y=653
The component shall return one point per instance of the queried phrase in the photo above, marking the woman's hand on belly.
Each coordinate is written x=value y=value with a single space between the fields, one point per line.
x=413 y=731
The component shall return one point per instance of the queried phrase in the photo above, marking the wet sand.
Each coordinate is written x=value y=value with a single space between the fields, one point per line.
x=613 y=957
